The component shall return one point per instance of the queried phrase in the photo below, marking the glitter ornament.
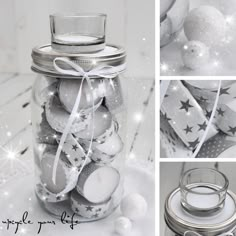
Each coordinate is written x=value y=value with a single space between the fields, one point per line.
x=122 y=226
x=134 y=206
x=195 y=54
x=205 y=24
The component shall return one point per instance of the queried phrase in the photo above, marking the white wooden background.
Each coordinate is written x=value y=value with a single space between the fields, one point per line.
x=170 y=174
x=25 y=24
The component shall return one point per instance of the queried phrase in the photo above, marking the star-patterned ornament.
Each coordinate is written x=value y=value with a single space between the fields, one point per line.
x=220 y=112
x=202 y=126
x=185 y=105
x=188 y=129
x=232 y=130
x=194 y=143
x=223 y=91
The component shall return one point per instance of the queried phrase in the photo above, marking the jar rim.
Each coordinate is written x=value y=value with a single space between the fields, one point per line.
x=191 y=190
x=179 y=225
x=78 y=15
x=44 y=55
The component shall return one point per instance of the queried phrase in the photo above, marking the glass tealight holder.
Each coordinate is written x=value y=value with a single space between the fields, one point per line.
x=203 y=191
x=78 y=33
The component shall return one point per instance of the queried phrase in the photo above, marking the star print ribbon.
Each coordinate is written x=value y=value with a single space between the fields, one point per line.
x=193 y=233
x=103 y=71
x=180 y=109
x=207 y=95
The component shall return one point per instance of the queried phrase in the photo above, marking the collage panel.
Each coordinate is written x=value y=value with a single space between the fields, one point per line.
x=77 y=120
x=197 y=38
x=197 y=198
x=198 y=119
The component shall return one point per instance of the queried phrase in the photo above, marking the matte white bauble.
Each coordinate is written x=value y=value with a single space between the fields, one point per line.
x=134 y=206
x=123 y=226
x=205 y=24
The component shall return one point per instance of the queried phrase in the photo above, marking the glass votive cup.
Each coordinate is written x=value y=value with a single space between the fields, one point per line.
x=78 y=33
x=203 y=191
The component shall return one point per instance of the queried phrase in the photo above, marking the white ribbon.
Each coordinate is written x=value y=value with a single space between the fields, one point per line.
x=103 y=71
x=209 y=122
x=192 y=233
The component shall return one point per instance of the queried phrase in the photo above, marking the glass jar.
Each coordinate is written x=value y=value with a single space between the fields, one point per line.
x=79 y=119
x=183 y=221
x=172 y=16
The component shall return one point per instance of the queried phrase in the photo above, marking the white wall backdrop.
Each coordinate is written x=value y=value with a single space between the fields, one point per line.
x=25 y=23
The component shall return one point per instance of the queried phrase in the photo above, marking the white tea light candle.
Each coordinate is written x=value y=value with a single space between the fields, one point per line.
x=208 y=200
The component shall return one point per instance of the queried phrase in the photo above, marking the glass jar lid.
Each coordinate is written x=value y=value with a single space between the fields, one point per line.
x=44 y=56
x=180 y=221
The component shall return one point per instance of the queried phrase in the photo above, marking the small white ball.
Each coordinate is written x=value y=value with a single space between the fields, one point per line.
x=205 y=24
x=195 y=54
x=123 y=225
x=134 y=206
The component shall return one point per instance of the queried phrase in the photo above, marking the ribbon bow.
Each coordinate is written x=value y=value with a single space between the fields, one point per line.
x=103 y=71
x=192 y=233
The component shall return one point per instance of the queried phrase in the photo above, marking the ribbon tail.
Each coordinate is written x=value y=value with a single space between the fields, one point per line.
x=92 y=134
x=66 y=131
x=209 y=122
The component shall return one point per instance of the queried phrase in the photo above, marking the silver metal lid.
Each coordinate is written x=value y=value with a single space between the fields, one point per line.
x=179 y=221
x=43 y=57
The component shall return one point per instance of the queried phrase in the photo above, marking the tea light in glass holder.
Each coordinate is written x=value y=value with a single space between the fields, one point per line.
x=203 y=191
x=78 y=33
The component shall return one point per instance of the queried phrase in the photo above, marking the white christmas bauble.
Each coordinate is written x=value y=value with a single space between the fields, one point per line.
x=205 y=24
x=123 y=226
x=133 y=206
x=195 y=54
